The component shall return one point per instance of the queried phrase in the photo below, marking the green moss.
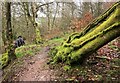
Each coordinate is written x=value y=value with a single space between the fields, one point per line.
x=52 y=52
x=4 y=60
x=20 y=52
x=27 y=50
x=38 y=36
x=71 y=37
x=99 y=28
x=109 y=21
x=66 y=67
x=79 y=45
x=75 y=55
x=56 y=40
x=117 y=13
x=90 y=27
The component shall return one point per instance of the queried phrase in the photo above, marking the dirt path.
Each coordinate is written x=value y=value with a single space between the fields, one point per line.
x=36 y=68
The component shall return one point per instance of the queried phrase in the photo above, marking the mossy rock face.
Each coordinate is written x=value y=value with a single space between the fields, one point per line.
x=4 y=60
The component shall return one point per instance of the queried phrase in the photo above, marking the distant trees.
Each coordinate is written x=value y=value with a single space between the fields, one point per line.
x=54 y=18
x=32 y=15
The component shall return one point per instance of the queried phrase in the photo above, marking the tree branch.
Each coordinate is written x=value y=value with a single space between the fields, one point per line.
x=37 y=8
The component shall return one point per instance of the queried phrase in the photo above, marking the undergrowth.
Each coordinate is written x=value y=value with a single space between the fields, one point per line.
x=20 y=52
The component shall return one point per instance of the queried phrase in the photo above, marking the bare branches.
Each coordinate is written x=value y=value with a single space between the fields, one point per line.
x=42 y=5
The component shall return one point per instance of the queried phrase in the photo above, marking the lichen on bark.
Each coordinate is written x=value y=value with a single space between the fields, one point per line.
x=38 y=36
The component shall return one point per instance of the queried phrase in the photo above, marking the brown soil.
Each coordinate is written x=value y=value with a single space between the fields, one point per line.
x=36 y=68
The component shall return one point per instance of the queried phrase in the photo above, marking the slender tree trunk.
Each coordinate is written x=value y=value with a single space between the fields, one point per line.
x=35 y=24
x=4 y=30
x=9 y=35
x=4 y=38
x=55 y=15
x=98 y=33
x=31 y=18
x=48 y=17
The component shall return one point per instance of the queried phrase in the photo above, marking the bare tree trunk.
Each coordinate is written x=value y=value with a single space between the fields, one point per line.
x=9 y=35
x=55 y=15
x=31 y=18
x=4 y=30
x=37 y=31
x=48 y=17
x=98 y=33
